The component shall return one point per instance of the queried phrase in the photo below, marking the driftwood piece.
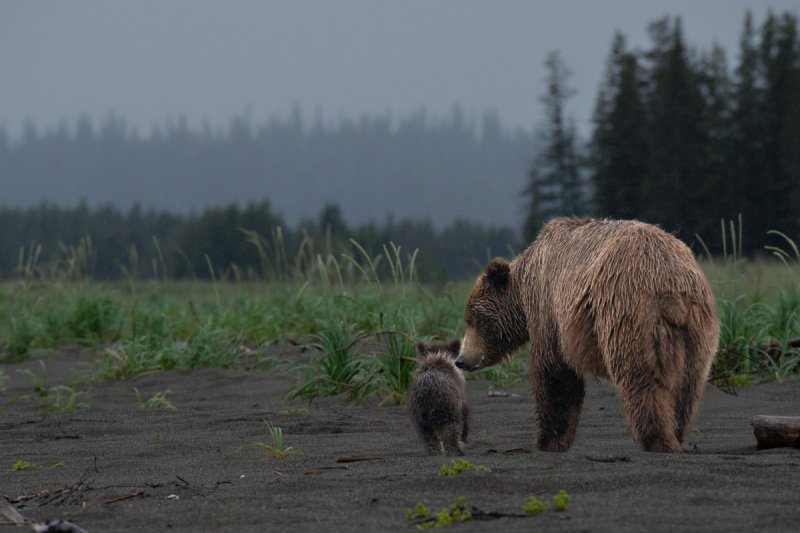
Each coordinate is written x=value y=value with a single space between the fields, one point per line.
x=776 y=431
x=357 y=458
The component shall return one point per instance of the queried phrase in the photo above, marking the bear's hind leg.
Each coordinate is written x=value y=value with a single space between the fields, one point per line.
x=687 y=401
x=559 y=393
x=650 y=412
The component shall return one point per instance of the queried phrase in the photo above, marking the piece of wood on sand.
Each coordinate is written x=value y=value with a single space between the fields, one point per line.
x=776 y=431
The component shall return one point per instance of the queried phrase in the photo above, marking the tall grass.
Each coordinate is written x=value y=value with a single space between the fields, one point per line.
x=759 y=310
x=357 y=313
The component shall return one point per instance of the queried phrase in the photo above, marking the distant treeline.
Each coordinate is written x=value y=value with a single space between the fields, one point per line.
x=682 y=141
x=412 y=167
x=679 y=139
x=232 y=242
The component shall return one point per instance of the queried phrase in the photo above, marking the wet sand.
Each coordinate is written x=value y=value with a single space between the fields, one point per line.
x=111 y=467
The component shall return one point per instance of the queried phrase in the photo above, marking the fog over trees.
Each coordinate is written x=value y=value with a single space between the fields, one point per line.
x=374 y=168
x=679 y=138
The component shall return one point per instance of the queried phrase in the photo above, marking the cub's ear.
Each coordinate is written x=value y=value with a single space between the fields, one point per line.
x=454 y=348
x=421 y=348
x=497 y=273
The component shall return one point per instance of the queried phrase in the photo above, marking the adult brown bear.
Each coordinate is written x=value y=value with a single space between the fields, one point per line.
x=619 y=299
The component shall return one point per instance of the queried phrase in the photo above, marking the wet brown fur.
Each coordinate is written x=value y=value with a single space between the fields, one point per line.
x=618 y=299
x=437 y=399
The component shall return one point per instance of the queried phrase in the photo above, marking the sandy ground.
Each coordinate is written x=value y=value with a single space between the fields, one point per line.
x=180 y=470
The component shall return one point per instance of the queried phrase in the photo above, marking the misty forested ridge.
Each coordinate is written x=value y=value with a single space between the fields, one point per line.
x=373 y=168
x=679 y=138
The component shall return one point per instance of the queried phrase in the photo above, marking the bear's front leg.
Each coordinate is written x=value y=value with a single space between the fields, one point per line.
x=559 y=392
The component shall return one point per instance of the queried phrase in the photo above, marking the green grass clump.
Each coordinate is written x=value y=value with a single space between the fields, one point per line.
x=535 y=506
x=277 y=449
x=58 y=398
x=561 y=500
x=157 y=401
x=21 y=464
x=461 y=465
x=427 y=519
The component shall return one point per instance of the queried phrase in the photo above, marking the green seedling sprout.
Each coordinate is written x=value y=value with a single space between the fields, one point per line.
x=277 y=449
x=461 y=465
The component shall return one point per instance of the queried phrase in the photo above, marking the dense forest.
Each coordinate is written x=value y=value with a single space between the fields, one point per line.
x=230 y=242
x=679 y=138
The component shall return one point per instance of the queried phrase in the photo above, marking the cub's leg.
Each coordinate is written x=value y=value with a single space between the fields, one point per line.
x=432 y=443
x=465 y=422
x=449 y=435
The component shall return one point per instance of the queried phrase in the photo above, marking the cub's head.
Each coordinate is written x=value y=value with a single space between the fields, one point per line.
x=450 y=349
x=496 y=324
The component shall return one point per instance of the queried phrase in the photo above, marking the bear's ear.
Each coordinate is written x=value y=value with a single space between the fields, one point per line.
x=497 y=273
x=421 y=348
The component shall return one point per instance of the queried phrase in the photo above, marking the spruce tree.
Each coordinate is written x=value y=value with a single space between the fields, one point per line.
x=779 y=59
x=746 y=148
x=556 y=186
x=619 y=149
x=679 y=189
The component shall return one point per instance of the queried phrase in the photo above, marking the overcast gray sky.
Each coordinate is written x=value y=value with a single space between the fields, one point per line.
x=209 y=60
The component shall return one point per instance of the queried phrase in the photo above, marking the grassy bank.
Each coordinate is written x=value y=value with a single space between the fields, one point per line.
x=359 y=334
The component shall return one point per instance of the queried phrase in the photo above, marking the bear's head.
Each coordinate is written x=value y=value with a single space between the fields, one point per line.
x=496 y=324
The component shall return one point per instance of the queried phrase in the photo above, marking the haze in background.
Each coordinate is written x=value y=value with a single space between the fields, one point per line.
x=208 y=61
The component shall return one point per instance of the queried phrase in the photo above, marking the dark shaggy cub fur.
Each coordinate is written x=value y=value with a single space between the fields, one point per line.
x=437 y=400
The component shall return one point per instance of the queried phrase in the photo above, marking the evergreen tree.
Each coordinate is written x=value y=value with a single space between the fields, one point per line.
x=555 y=185
x=717 y=91
x=619 y=151
x=779 y=59
x=746 y=148
x=679 y=190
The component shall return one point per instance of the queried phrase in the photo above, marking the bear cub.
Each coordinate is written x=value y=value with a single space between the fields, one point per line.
x=437 y=399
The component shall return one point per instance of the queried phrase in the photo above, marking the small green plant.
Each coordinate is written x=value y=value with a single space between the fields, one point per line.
x=534 y=506
x=461 y=465
x=419 y=511
x=426 y=519
x=335 y=367
x=37 y=382
x=389 y=375
x=22 y=464
x=277 y=449
x=63 y=398
x=561 y=500
x=60 y=464
x=59 y=398
x=157 y=401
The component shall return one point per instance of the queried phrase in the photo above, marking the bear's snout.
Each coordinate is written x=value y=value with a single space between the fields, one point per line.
x=460 y=363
